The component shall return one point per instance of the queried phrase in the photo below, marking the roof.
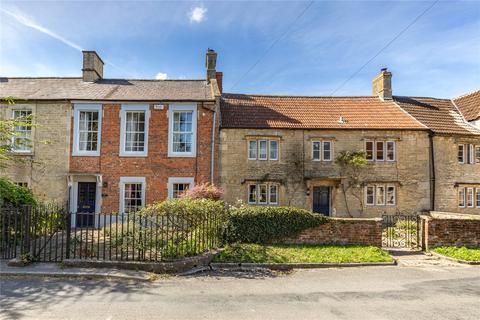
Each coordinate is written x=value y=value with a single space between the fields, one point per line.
x=440 y=115
x=105 y=89
x=297 y=112
x=469 y=105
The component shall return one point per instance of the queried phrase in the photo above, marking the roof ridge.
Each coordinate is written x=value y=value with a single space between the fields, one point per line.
x=293 y=96
x=1 y=77
x=418 y=97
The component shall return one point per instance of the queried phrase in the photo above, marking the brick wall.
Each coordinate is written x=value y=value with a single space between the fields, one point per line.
x=157 y=167
x=343 y=231
x=451 y=231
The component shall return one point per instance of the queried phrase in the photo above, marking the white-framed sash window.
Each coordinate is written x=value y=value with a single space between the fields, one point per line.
x=263 y=149
x=379 y=150
x=132 y=194
x=263 y=193
x=322 y=150
x=134 y=130
x=87 y=129
x=22 y=138
x=182 y=130
x=178 y=185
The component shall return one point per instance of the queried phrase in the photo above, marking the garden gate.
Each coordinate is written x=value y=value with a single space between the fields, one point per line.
x=401 y=231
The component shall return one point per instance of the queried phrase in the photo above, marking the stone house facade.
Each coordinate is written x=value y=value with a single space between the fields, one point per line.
x=116 y=144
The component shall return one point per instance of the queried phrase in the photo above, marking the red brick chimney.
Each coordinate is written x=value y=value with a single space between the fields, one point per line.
x=219 y=77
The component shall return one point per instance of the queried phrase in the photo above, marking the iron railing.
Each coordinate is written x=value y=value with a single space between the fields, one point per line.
x=401 y=231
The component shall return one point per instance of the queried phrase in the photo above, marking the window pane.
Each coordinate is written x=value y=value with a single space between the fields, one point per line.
x=273 y=150
x=390 y=195
x=370 y=195
x=471 y=154
x=22 y=133
x=461 y=153
x=262 y=193
x=380 y=196
x=316 y=150
x=182 y=131
x=470 y=197
x=133 y=197
x=273 y=194
x=252 y=150
x=391 y=151
x=461 y=197
x=477 y=154
x=478 y=197
x=179 y=189
x=327 y=151
x=380 y=150
x=88 y=131
x=369 y=150
x=252 y=193
x=262 y=153
x=135 y=131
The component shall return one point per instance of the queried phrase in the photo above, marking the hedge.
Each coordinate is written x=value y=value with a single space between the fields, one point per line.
x=268 y=224
x=12 y=194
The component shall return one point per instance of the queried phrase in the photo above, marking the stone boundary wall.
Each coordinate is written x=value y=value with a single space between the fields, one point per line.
x=450 y=231
x=345 y=231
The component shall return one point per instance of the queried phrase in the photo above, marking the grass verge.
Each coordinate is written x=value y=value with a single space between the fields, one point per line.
x=461 y=253
x=254 y=253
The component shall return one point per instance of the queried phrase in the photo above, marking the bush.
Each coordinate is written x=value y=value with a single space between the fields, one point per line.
x=268 y=224
x=11 y=194
x=204 y=191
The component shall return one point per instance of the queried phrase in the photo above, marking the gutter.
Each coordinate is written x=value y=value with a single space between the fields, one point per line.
x=432 y=171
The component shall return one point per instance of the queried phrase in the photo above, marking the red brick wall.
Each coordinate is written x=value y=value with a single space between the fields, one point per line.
x=451 y=232
x=343 y=231
x=156 y=167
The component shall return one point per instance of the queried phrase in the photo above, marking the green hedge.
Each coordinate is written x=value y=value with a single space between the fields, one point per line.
x=12 y=194
x=268 y=224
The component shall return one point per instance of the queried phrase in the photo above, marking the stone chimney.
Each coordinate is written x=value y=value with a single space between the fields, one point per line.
x=382 y=84
x=210 y=64
x=92 y=66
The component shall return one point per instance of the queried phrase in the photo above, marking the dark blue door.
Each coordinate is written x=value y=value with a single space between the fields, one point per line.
x=86 y=204
x=321 y=200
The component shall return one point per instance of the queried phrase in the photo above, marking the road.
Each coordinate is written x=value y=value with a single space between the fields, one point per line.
x=415 y=292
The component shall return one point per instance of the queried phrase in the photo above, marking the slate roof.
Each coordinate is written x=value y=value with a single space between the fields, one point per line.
x=297 y=112
x=469 y=105
x=440 y=115
x=105 y=89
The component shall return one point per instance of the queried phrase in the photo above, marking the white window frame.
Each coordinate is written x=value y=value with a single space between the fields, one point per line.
x=266 y=150
x=463 y=199
x=470 y=195
x=256 y=193
x=477 y=197
x=463 y=153
x=255 y=149
x=366 y=195
x=477 y=154
x=184 y=180
x=30 y=149
x=133 y=107
x=394 y=195
x=383 y=150
x=259 y=186
x=394 y=151
x=384 y=195
x=126 y=180
x=319 y=150
x=270 y=150
x=373 y=150
x=471 y=154
x=269 y=193
x=323 y=150
x=77 y=108
x=182 y=107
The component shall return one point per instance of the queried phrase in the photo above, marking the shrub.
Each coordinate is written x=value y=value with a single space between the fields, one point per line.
x=268 y=224
x=11 y=194
x=204 y=191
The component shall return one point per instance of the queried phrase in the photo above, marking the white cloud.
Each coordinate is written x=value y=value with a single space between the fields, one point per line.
x=28 y=22
x=197 y=14
x=161 y=76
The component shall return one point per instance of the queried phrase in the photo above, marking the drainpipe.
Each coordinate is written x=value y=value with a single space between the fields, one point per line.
x=432 y=172
x=212 y=168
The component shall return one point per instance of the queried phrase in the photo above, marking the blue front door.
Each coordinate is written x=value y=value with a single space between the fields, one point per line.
x=321 y=200
x=86 y=204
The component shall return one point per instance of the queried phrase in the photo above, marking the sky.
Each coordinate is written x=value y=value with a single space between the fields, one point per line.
x=263 y=47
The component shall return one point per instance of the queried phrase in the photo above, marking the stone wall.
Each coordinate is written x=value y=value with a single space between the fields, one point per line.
x=343 y=231
x=448 y=230
x=45 y=168
x=450 y=175
x=296 y=173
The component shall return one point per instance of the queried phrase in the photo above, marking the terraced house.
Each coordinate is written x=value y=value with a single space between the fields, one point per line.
x=282 y=150
x=115 y=144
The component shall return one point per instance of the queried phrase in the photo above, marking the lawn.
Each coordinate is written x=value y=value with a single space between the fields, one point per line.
x=255 y=253
x=461 y=253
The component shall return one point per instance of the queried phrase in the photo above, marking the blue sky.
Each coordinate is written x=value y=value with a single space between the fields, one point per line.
x=438 y=56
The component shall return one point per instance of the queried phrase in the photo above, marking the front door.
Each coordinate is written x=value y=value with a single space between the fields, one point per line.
x=86 y=204
x=321 y=200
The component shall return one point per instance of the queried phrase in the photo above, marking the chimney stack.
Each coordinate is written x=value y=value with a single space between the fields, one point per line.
x=219 y=76
x=92 y=66
x=382 y=84
x=210 y=64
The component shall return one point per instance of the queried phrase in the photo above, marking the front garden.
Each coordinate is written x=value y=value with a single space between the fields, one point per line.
x=460 y=253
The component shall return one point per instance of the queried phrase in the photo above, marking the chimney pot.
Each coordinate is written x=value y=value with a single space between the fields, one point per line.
x=382 y=84
x=92 y=66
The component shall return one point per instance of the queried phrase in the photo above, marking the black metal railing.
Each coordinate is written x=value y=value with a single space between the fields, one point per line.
x=401 y=231
x=50 y=233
